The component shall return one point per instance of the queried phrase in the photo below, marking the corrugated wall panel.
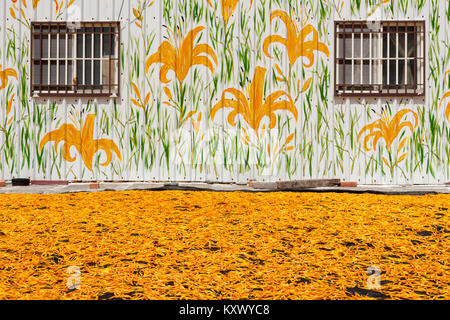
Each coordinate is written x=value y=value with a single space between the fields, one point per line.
x=205 y=115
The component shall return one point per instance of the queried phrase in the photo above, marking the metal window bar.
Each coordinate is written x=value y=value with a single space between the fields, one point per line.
x=415 y=53
x=48 y=57
x=370 y=62
x=344 y=61
x=40 y=62
x=353 y=59
x=101 y=61
x=110 y=52
x=57 y=59
x=66 y=80
x=388 y=61
x=75 y=79
x=406 y=60
x=397 y=49
x=93 y=60
x=361 y=56
x=83 y=51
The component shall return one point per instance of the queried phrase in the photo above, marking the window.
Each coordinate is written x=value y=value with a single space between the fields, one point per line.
x=78 y=61
x=380 y=59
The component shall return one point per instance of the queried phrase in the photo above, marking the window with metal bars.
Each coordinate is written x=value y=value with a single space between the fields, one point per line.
x=384 y=58
x=82 y=60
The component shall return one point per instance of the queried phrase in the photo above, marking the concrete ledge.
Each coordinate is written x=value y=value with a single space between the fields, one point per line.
x=221 y=187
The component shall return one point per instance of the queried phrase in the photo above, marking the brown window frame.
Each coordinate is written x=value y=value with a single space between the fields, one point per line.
x=359 y=27
x=91 y=90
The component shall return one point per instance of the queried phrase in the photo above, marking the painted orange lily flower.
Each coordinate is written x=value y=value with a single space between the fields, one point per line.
x=9 y=105
x=59 y=6
x=228 y=7
x=446 y=95
x=283 y=148
x=24 y=3
x=447 y=110
x=139 y=102
x=196 y=123
x=388 y=130
x=5 y=74
x=8 y=108
x=83 y=141
x=181 y=57
x=251 y=106
x=295 y=41
x=139 y=12
x=13 y=9
x=374 y=7
x=34 y=3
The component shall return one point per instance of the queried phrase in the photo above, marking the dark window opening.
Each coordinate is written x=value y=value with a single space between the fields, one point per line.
x=384 y=58
x=82 y=60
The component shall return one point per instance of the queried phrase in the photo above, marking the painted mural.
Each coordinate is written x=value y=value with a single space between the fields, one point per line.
x=224 y=90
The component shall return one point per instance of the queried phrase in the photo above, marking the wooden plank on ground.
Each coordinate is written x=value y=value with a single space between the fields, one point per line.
x=310 y=183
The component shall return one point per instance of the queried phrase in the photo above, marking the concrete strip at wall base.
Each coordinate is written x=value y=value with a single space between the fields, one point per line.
x=151 y=186
x=128 y=186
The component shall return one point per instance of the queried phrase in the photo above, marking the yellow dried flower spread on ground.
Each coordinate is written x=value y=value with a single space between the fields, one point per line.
x=206 y=245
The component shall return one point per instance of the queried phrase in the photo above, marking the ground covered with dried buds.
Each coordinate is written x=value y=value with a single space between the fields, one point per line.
x=231 y=245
